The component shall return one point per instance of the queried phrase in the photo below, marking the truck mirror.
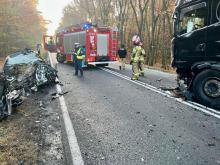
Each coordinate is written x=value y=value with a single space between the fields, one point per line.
x=174 y=17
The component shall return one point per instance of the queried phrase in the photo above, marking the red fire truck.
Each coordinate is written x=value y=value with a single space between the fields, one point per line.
x=101 y=43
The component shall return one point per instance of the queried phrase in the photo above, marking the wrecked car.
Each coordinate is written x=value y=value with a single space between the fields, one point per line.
x=22 y=72
x=3 y=103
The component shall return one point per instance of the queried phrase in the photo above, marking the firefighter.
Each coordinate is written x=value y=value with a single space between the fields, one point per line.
x=142 y=59
x=122 y=53
x=137 y=59
x=79 y=55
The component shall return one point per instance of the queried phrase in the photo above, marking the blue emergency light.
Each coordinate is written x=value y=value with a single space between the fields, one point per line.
x=87 y=26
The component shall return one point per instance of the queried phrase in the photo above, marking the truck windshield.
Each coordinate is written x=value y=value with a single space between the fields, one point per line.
x=192 y=18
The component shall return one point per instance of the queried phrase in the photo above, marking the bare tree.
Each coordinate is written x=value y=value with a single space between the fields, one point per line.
x=122 y=15
x=139 y=8
x=151 y=19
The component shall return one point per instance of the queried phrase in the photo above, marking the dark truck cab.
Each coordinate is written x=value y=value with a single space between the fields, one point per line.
x=196 y=49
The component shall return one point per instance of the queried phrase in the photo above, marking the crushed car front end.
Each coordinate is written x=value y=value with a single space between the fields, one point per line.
x=23 y=71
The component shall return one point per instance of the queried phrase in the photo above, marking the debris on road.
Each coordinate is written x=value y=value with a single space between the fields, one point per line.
x=178 y=93
x=168 y=88
x=211 y=144
x=40 y=104
x=22 y=73
x=56 y=95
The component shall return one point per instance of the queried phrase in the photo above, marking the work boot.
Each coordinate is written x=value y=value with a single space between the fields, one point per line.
x=134 y=78
x=142 y=74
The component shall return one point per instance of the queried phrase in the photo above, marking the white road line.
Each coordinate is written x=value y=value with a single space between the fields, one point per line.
x=72 y=140
x=196 y=106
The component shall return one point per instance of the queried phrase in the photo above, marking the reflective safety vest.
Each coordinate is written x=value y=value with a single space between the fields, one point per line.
x=79 y=54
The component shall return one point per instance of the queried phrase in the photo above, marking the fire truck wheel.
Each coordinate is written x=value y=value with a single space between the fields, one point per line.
x=206 y=88
x=102 y=65
x=60 y=58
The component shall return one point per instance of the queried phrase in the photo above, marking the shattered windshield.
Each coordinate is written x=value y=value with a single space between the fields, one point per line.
x=22 y=58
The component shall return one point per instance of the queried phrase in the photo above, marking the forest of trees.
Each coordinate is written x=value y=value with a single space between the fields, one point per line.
x=151 y=19
x=21 y=25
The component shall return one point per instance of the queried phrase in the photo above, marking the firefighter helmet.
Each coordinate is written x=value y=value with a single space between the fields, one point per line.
x=76 y=45
x=136 y=40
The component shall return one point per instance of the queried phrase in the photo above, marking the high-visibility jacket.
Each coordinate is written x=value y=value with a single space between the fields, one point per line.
x=138 y=54
x=80 y=54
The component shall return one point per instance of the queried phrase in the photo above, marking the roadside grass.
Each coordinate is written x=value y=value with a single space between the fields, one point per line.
x=16 y=144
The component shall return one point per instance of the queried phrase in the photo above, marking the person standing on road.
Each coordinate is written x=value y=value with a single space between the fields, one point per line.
x=122 y=53
x=137 y=59
x=142 y=59
x=79 y=55
x=38 y=48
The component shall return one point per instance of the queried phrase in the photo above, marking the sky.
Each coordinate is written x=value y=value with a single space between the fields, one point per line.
x=52 y=10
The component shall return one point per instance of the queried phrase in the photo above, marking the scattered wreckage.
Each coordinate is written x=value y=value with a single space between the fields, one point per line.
x=23 y=71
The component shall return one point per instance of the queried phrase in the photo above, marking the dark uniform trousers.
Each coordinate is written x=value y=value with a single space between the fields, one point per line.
x=78 y=66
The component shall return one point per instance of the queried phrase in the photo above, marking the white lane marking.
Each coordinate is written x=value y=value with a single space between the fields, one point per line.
x=202 y=106
x=72 y=140
x=196 y=106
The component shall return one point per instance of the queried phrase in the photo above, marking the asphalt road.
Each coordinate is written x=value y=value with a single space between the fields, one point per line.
x=118 y=122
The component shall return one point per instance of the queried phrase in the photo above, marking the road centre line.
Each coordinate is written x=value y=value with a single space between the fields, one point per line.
x=71 y=136
x=196 y=106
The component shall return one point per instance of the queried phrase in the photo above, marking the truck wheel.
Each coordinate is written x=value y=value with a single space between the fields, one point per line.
x=60 y=58
x=206 y=88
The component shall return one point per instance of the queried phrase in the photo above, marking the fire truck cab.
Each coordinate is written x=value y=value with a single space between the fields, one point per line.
x=49 y=43
x=101 y=43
